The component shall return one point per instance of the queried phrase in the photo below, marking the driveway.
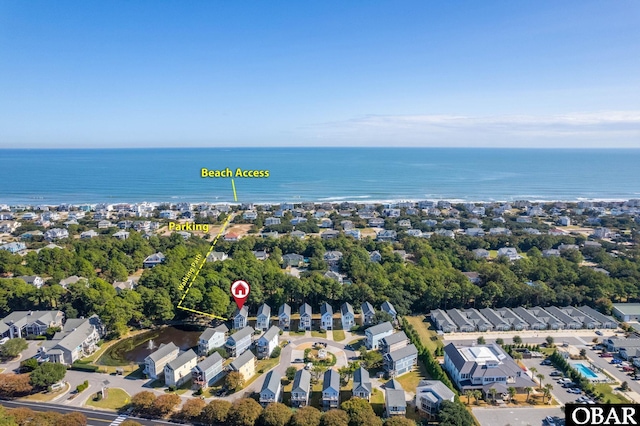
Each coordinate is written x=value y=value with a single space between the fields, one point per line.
x=31 y=351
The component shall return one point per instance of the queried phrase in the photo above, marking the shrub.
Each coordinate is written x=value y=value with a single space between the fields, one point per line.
x=276 y=352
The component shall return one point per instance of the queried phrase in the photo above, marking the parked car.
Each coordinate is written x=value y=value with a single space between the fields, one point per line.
x=606 y=355
x=574 y=390
x=599 y=333
x=550 y=421
x=616 y=361
x=628 y=368
x=298 y=360
x=555 y=373
x=546 y=362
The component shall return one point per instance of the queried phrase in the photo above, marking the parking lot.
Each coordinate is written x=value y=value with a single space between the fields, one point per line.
x=516 y=416
x=560 y=394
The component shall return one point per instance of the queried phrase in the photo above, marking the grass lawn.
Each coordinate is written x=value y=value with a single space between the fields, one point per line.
x=46 y=396
x=320 y=334
x=613 y=398
x=377 y=402
x=338 y=335
x=266 y=364
x=357 y=344
x=297 y=333
x=116 y=399
x=409 y=381
x=427 y=333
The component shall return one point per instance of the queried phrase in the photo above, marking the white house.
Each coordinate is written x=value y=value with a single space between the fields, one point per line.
x=305 y=317
x=263 y=319
x=155 y=362
x=347 y=316
x=376 y=333
x=268 y=342
x=326 y=316
x=178 y=371
x=240 y=318
x=212 y=338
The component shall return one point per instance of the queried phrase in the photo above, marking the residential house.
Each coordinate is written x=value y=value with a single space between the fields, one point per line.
x=361 y=384
x=33 y=280
x=260 y=254
x=284 y=317
x=245 y=364
x=368 y=313
x=153 y=260
x=20 y=324
x=393 y=342
x=375 y=256
x=272 y=221
x=263 y=319
x=124 y=285
x=480 y=253
x=78 y=338
x=15 y=247
x=155 y=362
x=604 y=321
x=497 y=321
x=330 y=234
x=212 y=338
x=442 y=321
x=334 y=276
x=216 y=256
x=271 y=389
x=347 y=316
x=87 y=235
x=56 y=234
x=532 y=321
x=394 y=399
x=121 y=235
x=376 y=333
x=332 y=257
x=301 y=390
x=240 y=318
x=330 y=389
x=178 y=371
x=388 y=308
x=387 y=235
x=71 y=280
x=326 y=317
x=250 y=215
x=208 y=371
x=305 y=317
x=510 y=252
x=292 y=259
x=268 y=342
x=400 y=361
x=240 y=341
x=429 y=397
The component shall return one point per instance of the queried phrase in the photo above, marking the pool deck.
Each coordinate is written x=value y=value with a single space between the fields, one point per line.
x=599 y=377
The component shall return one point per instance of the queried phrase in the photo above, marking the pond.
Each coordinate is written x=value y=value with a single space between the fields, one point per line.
x=135 y=349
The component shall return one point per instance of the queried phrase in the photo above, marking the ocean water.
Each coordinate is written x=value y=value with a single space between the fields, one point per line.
x=317 y=174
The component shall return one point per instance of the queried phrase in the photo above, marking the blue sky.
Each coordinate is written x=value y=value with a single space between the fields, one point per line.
x=312 y=73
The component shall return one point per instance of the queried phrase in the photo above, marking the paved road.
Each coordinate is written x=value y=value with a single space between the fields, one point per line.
x=515 y=416
x=94 y=417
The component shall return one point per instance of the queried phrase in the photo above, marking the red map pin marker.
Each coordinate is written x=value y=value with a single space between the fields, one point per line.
x=240 y=291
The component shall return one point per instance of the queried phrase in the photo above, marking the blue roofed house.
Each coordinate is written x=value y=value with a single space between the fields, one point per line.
x=305 y=317
x=212 y=338
x=394 y=399
x=240 y=341
x=331 y=389
x=240 y=318
x=347 y=316
x=268 y=342
x=284 y=317
x=326 y=317
x=361 y=384
x=376 y=333
x=263 y=319
x=208 y=371
x=301 y=390
x=271 y=389
x=388 y=308
x=368 y=313
x=400 y=361
x=178 y=371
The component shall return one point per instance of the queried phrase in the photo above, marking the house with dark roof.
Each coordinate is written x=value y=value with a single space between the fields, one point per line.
x=326 y=317
x=442 y=321
x=605 y=321
x=208 y=371
x=394 y=399
x=347 y=316
x=361 y=384
x=368 y=313
x=271 y=389
x=25 y=323
x=301 y=390
x=388 y=308
x=498 y=323
x=78 y=338
x=331 y=389
x=429 y=397
x=284 y=317
x=305 y=317
x=263 y=319
x=533 y=322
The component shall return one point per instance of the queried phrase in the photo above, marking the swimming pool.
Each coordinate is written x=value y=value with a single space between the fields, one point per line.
x=585 y=371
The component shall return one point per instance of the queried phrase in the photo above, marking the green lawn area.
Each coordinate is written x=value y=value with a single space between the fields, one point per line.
x=46 y=396
x=266 y=364
x=409 y=381
x=377 y=401
x=613 y=398
x=321 y=334
x=116 y=399
x=427 y=333
x=338 y=335
x=297 y=333
x=357 y=344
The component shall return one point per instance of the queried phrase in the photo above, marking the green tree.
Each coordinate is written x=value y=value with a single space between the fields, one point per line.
x=481 y=340
x=13 y=348
x=306 y=416
x=454 y=414
x=291 y=373
x=234 y=381
x=399 y=421
x=517 y=340
x=512 y=392
x=500 y=341
x=47 y=374
x=28 y=365
x=244 y=412
x=549 y=341
x=371 y=359
x=360 y=413
x=216 y=412
x=275 y=414
x=334 y=417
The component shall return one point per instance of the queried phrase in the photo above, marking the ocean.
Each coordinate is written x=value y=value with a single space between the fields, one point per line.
x=317 y=174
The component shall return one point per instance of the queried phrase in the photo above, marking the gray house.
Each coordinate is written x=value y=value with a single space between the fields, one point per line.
x=393 y=342
x=305 y=317
x=394 y=399
x=155 y=362
x=368 y=313
x=331 y=389
x=271 y=389
x=240 y=341
x=388 y=308
x=208 y=371
x=347 y=316
x=284 y=317
x=326 y=317
x=268 y=342
x=212 y=338
x=442 y=321
x=361 y=384
x=263 y=319
x=240 y=318
x=301 y=390
x=376 y=333
x=400 y=361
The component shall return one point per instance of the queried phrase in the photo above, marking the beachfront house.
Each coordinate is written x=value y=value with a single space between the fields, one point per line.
x=212 y=338
x=326 y=317
x=263 y=319
x=240 y=318
x=208 y=371
x=305 y=317
x=271 y=389
x=245 y=364
x=376 y=333
x=284 y=317
x=240 y=341
x=178 y=371
x=347 y=316
x=268 y=342
x=361 y=384
x=331 y=389
x=301 y=390
x=155 y=362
